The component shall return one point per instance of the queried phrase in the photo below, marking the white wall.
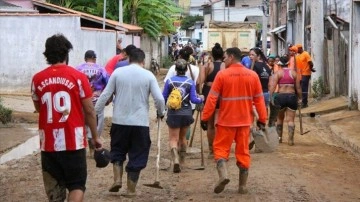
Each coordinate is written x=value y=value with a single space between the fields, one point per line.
x=354 y=71
x=23 y=43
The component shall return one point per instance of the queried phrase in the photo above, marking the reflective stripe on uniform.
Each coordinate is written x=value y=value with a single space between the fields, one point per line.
x=214 y=93
x=237 y=98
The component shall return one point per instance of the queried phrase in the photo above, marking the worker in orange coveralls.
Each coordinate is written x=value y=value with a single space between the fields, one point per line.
x=238 y=89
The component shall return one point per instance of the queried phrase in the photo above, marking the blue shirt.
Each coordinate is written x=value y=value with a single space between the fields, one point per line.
x=121 y=63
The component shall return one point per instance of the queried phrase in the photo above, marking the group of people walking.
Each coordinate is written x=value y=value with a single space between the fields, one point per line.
x=71 y=103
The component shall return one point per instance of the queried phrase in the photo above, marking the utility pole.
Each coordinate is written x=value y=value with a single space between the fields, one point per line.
x=264 y=28
x=317 y=37
x=273 y=24
x=120 y=12
x=104 y=14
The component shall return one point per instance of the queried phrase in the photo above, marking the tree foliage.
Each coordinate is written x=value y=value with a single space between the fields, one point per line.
x=154 y=16
x=189 y=21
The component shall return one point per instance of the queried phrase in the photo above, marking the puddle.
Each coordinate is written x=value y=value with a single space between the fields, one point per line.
x=29 y=147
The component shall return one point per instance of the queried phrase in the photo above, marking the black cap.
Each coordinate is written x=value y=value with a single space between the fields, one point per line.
x=90 y=54
x=102 y=158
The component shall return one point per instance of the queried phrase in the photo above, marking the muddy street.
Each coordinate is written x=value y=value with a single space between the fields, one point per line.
x=314 y=169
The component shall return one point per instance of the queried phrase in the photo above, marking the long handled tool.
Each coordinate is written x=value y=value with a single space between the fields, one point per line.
x=193 y=131
x=156 y=184
x=202 y=167
x=300 y=120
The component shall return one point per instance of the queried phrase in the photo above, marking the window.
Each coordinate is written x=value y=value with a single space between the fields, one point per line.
x=230 y=3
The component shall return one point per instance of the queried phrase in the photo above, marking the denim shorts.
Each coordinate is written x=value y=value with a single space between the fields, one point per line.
x=267 y=98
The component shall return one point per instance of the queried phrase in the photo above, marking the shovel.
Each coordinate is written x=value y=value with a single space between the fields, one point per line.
x=300 y=120
x=202 y=167
x=156 y=184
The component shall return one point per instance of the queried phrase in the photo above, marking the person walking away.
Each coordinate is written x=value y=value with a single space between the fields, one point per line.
x=62 y=96
x=98 y=79
x=207 y=76
x=180 y=117
x=238 y=89
x=130 y=121
x=274 y=110
x=192 y=73
x=293 y=50
x=287 y=98
x=125 y=60
x=262 y=70
x=304 y=62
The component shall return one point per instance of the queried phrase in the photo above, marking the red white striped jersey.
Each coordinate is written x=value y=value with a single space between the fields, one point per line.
x=59 y=90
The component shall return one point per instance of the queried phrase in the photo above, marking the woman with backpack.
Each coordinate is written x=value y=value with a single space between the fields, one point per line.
x=178 y=91
x=207 y=76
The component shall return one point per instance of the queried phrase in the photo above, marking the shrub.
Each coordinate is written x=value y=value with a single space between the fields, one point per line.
x=5 y=114
x=318 y=88
x=166 y=62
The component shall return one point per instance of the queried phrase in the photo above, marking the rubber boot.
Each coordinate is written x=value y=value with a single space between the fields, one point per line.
x=132 y=180
x=274 y=111
x=279 y=130
x=175 y=159
x=182 y=155
x=291 y=135
x=243 y=175
x=118 y=173
x=223 y=176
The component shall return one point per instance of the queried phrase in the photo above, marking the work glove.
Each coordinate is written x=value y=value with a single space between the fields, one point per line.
x=160 y=114
x=260 y=125
x=313 y=69
x=199 y=107
x=203 y=125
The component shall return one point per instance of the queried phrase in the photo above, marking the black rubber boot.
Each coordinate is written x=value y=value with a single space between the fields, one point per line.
x=175 y=159
x=274 y=111
x=132 y=179
x=243 y=175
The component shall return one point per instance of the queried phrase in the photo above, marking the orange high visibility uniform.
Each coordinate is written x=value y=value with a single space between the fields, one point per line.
x=302 y=63
x=238 y=89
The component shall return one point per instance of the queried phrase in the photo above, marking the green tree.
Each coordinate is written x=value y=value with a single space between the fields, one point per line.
x=154 y=16
x=189 y=21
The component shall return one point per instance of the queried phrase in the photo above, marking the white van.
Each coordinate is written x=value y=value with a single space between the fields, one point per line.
x=183 y=40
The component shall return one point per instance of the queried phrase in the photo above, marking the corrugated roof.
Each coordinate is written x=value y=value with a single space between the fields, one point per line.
x=112 y=23
x=5 y=4
x=6 y=7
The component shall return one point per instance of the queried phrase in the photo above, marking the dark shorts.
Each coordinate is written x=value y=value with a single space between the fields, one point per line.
x=286 y=100
x=133 y=141
x=179 y=121
x=64 y=169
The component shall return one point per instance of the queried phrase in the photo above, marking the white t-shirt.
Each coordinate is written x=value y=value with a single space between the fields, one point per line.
x=195 y=72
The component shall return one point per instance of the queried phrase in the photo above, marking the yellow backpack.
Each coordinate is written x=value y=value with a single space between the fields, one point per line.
x=175 y=98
